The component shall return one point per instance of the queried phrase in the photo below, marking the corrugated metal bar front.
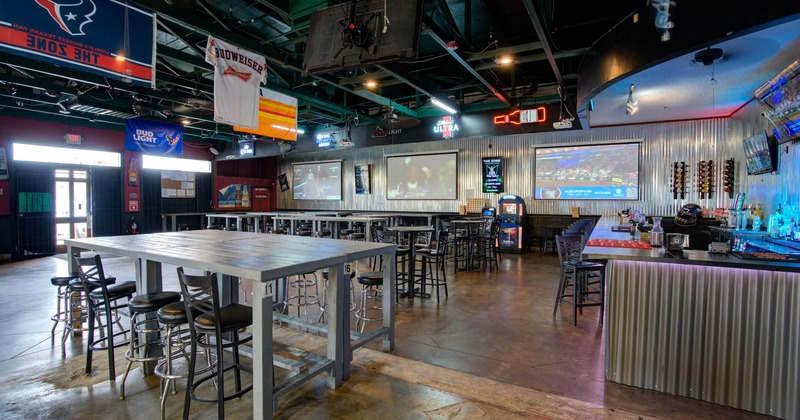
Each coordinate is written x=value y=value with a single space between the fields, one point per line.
x=724 y=335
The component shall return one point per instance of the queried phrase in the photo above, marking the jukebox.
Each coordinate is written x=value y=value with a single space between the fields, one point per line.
x=511 y=212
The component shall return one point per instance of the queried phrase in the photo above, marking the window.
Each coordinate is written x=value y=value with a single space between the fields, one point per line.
x=64 y=155
x=175 y=164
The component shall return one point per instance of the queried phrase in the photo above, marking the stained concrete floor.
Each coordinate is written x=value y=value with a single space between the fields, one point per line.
x=492 y=349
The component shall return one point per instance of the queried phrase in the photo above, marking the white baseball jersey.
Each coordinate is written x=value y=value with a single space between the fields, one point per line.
x=237 y=75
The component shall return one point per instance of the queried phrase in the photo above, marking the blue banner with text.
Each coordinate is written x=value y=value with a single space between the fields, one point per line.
x=153 y=137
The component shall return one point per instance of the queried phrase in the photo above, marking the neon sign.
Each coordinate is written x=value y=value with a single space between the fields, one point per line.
x=524 y=116
x=447 y=127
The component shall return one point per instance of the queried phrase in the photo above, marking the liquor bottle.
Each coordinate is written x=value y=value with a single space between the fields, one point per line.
x=237 y=197
x=133 y=173
x=245 y=197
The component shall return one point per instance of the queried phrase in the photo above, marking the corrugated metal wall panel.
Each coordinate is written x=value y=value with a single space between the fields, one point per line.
x=689 y=141
x=729 y=336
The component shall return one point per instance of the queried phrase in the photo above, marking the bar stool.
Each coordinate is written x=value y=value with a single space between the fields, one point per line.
x=211 y=320
x=102 y=298
x=302 y=299
x=62 y=314
x=141 y=327
x=372 y=282
x=175 y=341
x=435 y=260
x=324 y=306
x=582 y=283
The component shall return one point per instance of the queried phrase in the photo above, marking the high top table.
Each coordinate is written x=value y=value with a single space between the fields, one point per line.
x=413 y=231
x=263 y=259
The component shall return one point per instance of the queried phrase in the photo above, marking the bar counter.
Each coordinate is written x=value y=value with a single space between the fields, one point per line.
x=705 y=326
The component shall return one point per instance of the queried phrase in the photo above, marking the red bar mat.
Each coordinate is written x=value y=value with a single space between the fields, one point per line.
x=619 y=243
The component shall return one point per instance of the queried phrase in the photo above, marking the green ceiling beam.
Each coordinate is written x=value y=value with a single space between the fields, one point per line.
x=495 y=91
x=534 y=58
x=372 y=96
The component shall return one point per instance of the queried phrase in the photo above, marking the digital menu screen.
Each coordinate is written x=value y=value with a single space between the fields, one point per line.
x=493 y=175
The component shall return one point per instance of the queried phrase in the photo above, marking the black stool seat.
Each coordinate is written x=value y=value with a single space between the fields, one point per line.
x=232 y=317
x=357 y=236
x=371 y=278
x=63 y=280
x=150 y=302
x=115 y=291
x=403 y=250
x=173 y=313
x=346 y=231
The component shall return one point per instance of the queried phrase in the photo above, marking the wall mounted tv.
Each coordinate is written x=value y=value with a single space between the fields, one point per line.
x=587 y=172
x=429 y=176
x=760 y=154
x=317 y=180
x=333 y=44
x=780 y=99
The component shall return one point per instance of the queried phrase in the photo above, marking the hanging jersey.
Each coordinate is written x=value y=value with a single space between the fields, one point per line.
x=237 y=75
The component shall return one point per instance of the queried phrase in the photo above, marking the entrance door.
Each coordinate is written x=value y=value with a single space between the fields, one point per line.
x=71 y=204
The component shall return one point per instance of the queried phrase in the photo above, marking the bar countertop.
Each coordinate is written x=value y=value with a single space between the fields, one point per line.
x=689 y=257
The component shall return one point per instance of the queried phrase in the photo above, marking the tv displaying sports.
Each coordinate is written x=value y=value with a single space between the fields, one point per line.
x=422 y=176
x=587 y=172
x=759 y=153
x=317 y=180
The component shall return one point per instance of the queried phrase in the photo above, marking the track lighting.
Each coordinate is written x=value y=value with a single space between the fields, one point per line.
x=444 y=105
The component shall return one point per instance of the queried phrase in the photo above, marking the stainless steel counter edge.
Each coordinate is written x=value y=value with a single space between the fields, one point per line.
x=689 y=257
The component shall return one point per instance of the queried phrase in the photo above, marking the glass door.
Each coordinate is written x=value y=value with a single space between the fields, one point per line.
x=72 y=205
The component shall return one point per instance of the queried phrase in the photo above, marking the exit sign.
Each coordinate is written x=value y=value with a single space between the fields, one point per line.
x=73 y=138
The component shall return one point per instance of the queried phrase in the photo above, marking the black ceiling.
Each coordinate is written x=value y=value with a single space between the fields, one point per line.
x=547 y=40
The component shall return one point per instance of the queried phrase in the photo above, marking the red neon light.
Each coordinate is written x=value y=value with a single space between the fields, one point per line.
x=512 y=118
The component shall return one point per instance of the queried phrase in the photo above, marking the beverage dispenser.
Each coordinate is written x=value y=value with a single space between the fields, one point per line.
x=511 y=212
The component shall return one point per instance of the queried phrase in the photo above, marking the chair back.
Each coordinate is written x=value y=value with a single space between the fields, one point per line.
x=569 y=247
x=200 y=295
x=384 y=236
x=441 y=243
x=92 y=275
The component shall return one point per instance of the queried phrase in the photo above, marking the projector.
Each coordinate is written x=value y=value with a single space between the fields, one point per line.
x=563 y=124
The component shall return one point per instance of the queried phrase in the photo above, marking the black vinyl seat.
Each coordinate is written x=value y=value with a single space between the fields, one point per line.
x=212 y=323
x=103 y=300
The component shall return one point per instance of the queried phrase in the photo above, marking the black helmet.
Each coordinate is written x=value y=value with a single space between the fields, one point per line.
x=688 y=215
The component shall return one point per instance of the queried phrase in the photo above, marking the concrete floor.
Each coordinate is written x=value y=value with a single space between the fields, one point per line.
x=492 y=349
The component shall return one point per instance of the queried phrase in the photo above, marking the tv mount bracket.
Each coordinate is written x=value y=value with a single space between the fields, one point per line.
x=356 y=33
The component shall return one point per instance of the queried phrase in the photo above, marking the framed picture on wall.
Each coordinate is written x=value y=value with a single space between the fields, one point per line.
x=362 y=179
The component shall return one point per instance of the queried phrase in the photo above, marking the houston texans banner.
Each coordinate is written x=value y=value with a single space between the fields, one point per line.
x=237 y=74
x=103 y=37
x=153 y=137
x=277 y=116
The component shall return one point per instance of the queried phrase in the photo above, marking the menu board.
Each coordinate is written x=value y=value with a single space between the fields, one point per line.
x=177 y=184
x=493 y=175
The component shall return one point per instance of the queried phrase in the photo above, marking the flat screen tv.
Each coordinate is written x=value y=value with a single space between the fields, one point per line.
x=422 y=176
x=760 y=154
x=587 y=172
x=317 y=180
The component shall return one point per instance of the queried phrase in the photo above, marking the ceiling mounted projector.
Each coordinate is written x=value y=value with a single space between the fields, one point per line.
x=564 y=124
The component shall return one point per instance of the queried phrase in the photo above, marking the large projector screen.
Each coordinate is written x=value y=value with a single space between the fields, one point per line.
x=588 y=172
x=422 y=176
x=317 y=181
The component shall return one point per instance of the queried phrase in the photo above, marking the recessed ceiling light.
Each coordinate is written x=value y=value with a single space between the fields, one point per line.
x=370 y=83
x=186 y=122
